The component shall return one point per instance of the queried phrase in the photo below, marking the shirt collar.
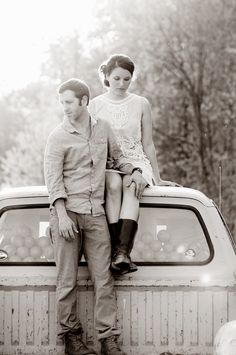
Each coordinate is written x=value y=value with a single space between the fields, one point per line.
x=71 y=129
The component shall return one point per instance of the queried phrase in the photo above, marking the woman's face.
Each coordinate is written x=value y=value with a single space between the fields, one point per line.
x=119 y=81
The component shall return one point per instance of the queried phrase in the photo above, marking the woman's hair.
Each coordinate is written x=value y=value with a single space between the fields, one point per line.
x=79 y=87
x=116 y=61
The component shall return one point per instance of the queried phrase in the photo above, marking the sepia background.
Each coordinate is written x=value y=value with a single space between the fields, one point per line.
x=185 y=55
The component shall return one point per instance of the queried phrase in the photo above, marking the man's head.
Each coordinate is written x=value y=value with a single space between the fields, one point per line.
x=74 y=97
x=79 y=87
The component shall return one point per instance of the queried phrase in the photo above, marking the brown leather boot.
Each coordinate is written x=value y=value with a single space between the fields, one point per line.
x=121 y=258
x=132 y=268
x=114 y=230
x=74 y=345
x=110 y=346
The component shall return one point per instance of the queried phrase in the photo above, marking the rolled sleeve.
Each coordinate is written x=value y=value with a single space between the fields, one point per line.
x=53 y=170
x=116 y=158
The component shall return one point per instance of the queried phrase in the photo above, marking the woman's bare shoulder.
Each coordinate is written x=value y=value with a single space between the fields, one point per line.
x=145 y=104
x=141 y=98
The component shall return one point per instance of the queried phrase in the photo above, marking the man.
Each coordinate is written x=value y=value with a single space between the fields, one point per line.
x=75 y=161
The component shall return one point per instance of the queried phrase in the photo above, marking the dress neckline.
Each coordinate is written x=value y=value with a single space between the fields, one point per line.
x=121 y=101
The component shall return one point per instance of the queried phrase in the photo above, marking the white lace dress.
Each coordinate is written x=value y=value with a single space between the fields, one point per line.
x=125 y=117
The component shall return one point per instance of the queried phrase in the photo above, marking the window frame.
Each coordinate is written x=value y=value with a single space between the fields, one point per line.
x=231 y=238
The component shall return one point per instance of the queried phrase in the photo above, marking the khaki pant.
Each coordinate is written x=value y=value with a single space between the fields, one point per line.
x=94 y=241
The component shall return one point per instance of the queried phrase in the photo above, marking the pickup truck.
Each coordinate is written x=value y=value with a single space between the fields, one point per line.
x=183 y=293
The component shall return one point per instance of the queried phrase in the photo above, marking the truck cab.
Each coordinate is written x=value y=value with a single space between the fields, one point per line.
x=182 y=293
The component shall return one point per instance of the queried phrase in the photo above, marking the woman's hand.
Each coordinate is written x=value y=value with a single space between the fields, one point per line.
x=167 y=183
x=140 y=183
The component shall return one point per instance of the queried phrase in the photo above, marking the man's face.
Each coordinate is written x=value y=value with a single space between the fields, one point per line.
x=71 y=105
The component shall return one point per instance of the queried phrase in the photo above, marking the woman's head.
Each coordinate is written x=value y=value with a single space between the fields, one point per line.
x=117 y=65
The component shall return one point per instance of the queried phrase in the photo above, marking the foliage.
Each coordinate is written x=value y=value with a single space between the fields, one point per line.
x=185 y=51
x=23 y=163
x=185 y=65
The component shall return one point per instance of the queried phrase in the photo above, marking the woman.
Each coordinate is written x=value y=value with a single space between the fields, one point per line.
x=130 y=117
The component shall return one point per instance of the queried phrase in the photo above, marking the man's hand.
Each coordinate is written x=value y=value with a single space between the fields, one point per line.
x=67 y=228
x=140 y=183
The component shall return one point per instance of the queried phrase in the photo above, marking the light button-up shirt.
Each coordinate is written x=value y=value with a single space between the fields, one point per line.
x=75 y=165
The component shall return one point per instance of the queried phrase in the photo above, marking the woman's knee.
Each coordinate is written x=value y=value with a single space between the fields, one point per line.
x=113 y=184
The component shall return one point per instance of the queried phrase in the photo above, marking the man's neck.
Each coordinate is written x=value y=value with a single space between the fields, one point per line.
x=82 y=124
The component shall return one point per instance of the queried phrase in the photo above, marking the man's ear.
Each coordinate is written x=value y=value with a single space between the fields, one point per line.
x=84 y=101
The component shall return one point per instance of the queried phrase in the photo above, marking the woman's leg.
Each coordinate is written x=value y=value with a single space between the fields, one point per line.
x=130 y=203
x=113 y=196
x=128 y=227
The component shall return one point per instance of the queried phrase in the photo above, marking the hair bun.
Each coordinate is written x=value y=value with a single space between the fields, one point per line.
x=103 y=68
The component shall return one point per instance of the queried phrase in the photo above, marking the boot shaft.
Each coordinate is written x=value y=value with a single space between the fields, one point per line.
x=114 y=230
x=127 y=235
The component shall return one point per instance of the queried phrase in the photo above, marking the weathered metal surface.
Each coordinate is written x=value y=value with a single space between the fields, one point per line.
x=161 y=308
x=151 y=321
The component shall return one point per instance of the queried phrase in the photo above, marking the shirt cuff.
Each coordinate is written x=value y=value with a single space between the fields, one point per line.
x=56 y=196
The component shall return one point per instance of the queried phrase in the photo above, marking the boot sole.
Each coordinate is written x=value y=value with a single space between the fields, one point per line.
x=124 y=272
x=93 y=353
x=122 y=265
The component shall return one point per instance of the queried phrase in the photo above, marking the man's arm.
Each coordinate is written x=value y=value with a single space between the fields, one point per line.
x=53 y=169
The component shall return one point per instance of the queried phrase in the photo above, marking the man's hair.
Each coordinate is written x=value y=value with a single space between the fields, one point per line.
x=79 y=87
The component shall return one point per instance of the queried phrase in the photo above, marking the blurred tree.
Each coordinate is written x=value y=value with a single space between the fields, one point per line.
x=11 y=121
x=23 y=163
x=69 y=58
x=197 y=57
x=65 y=59
x=184 y=52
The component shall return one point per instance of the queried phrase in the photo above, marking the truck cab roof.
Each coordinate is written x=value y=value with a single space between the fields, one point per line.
x=154 y=191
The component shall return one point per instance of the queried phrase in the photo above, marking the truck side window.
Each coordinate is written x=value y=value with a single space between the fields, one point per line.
x=170 y=235
x=24 y=235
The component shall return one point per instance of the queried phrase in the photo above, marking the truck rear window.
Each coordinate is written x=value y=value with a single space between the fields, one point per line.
x=24 y=235
x=166 y=235
x=171 y=235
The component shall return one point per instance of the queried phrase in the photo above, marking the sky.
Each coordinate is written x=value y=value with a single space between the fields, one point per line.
x=27 y=27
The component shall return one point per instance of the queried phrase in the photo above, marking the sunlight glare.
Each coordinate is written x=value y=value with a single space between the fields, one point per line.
x=26 y=30
x=206 y=278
